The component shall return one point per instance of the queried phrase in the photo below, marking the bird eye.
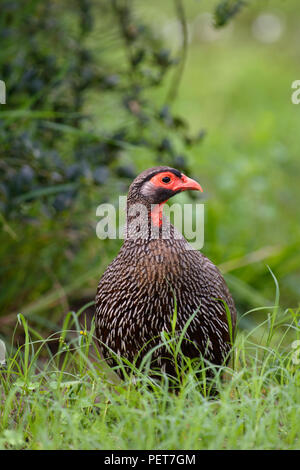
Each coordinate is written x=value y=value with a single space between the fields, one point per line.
x=166 y=179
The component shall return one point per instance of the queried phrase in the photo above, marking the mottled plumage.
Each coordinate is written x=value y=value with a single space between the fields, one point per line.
x=135 y=297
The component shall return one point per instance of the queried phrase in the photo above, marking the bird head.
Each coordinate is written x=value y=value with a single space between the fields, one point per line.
x=156 y=185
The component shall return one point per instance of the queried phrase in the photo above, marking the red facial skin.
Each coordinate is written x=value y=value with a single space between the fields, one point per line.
x=175 y=184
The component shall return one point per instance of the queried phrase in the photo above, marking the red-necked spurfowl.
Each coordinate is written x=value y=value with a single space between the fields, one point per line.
x=135 y=297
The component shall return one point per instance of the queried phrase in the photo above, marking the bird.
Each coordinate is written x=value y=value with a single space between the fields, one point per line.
x=152 y=277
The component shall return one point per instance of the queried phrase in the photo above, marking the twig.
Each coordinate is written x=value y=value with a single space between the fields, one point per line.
x=249 y=258
x=172 y=93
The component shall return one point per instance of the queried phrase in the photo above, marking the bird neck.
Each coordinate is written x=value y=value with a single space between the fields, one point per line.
x=145 y=221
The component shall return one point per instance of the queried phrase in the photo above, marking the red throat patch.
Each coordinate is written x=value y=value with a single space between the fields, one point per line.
x=157 y=213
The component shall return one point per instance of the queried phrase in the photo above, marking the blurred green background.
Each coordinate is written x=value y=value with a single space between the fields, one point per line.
x=99 y=91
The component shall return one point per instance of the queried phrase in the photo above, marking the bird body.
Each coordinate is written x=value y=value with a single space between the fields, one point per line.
x=153 y=272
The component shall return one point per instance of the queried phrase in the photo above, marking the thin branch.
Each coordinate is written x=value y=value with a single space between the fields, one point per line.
x=173 y=91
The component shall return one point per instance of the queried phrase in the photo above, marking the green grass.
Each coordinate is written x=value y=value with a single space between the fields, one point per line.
x=70 y=400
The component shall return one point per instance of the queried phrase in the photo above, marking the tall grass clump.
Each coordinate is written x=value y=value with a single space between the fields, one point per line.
x=67 y=398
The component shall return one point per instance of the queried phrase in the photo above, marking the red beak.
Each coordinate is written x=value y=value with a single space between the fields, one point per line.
x=187 y=183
